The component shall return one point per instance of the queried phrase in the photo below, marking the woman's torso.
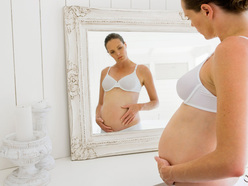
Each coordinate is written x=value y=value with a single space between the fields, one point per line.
x=112 y=110
x=119 y=93
x=190 y=134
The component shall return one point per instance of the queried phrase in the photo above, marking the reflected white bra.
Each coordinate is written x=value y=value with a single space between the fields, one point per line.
x=192 y=91
x=129 y=82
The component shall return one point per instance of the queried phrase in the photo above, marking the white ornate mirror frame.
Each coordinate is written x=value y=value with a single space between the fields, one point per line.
x=78 y=21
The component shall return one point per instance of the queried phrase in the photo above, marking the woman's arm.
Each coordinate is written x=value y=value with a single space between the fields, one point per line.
x=99 y=119
x=150 y=88
x=230 y=76
x=147 y=80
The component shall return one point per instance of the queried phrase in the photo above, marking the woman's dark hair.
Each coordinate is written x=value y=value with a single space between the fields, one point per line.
x=113 y=36
x=235 y=6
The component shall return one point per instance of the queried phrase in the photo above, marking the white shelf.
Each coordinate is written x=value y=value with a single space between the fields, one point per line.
x=127 y=170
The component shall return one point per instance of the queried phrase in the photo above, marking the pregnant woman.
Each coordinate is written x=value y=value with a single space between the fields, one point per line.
x=205 y=142
x=120 y=85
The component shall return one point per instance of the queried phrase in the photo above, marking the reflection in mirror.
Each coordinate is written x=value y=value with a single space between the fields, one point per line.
x=162 y=40
x=168 y=56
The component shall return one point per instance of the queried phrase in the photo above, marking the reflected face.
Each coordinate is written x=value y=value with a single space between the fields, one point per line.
x=117 y=50
x=199 y=20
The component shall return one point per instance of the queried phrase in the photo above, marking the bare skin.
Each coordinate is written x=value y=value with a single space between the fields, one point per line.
x=200 y=148
x=113 y=108
x=118 y=109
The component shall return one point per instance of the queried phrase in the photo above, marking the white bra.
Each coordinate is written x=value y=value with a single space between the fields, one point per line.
x=129 y=82
x=191 y=90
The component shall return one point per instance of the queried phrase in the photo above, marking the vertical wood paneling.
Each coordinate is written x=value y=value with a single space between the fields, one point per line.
x=158 y=4
x=100 y=3
x=140 y=4
x=85 y=3
x=55 y=74
x=173 y=4
x=27 y=51
x=7 y=93
x=120 y=4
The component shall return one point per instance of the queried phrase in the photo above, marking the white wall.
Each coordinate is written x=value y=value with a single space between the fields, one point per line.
x=32 y=63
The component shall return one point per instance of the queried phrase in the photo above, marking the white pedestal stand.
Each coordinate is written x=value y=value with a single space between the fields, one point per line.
x=26 y=155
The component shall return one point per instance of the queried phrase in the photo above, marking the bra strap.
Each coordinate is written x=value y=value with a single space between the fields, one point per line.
x=244 y=37
x=135 y=67
x=108 y=70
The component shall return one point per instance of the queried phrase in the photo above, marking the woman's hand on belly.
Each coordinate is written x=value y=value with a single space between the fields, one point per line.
x=165 y=169
x=130 y=114
x=104 y=127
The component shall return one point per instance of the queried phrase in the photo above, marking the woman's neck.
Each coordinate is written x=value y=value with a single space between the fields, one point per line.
x=123 y=64
x=232 y=25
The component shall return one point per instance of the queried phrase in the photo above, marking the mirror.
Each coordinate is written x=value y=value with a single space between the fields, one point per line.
x=162 y=40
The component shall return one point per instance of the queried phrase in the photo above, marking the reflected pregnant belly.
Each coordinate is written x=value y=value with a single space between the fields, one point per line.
x=112 y=110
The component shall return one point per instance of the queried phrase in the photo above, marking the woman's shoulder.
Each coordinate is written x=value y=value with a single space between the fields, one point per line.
x=142 y=68
x=104 y=71
x=233 y=46
x=237 y=42
x=231 y=52
x=143 y=71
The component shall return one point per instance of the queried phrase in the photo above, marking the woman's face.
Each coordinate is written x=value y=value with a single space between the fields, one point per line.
x=199 y=21
x=117 y=49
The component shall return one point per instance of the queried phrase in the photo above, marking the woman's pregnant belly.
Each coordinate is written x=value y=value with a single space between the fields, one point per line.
x=112 y=110
x=189 y=135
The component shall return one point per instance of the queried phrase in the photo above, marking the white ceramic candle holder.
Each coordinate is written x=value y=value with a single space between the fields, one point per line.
x=40 y=118
x=40 y=114
x=26 y=155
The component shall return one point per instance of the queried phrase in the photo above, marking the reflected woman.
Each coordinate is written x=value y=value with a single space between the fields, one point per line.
x=120 y=85
x=205 y=142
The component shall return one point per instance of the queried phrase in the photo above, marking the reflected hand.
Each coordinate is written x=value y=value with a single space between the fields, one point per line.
x=104 y=127
x=165 y=170
x=130 y=114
